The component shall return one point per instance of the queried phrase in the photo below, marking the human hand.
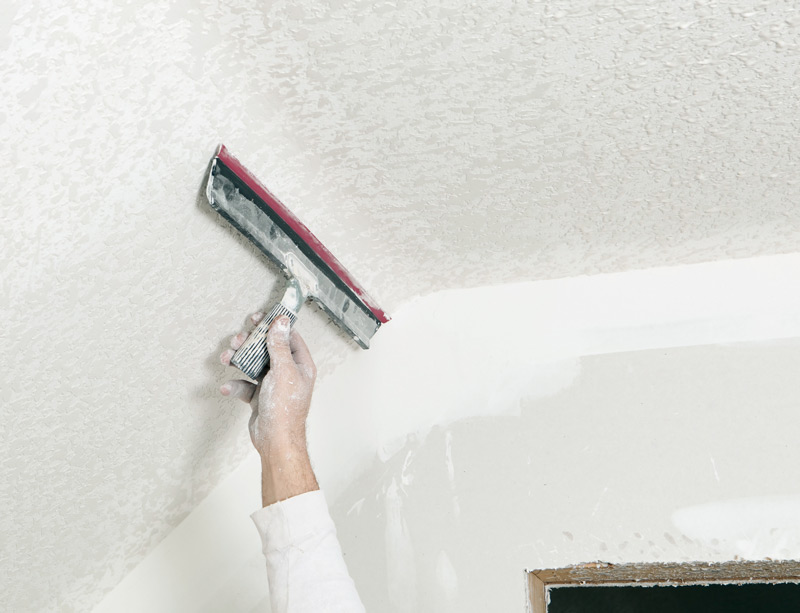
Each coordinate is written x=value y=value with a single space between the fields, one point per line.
x=281 y=399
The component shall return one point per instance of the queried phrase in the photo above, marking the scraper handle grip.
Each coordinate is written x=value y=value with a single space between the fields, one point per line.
x=252 y=357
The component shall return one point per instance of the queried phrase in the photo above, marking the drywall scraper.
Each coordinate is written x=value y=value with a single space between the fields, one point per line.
x=313 y=272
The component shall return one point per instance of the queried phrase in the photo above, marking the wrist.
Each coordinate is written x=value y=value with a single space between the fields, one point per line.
x=282 y=445
x=286 y=471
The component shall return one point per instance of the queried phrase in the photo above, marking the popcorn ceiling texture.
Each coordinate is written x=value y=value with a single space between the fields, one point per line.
x=429 y=147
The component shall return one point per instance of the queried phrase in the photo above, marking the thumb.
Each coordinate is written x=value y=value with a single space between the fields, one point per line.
x=278 y=341
x=236 y=388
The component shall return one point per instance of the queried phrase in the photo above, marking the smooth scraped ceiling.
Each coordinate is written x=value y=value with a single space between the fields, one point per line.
x=429 y=145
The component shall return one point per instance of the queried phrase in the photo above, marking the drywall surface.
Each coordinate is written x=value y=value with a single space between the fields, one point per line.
x=627 y=417
x=601 y=471
x=429 y=146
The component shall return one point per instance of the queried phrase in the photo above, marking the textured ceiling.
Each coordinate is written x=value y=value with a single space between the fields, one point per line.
x=429 y=147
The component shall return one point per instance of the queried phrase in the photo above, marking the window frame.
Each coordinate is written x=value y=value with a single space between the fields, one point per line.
x=657 y=574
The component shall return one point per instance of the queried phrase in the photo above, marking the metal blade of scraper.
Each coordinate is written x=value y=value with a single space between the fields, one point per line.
x=315 y=274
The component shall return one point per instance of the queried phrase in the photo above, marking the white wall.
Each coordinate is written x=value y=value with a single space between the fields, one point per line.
x=534 y=425
x=595 y=472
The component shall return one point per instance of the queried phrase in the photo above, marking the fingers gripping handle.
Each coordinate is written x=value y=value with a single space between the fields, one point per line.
x=252 y=357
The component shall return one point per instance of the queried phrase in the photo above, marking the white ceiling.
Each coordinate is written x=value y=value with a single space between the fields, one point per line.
x=429 y=147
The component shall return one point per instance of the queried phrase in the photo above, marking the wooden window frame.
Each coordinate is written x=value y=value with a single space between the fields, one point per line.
x=657 y=574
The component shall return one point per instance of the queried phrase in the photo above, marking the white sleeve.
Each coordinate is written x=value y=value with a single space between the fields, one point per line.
x=305 y=566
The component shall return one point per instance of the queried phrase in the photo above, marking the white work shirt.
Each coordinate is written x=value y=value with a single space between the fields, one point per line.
x=305 y=566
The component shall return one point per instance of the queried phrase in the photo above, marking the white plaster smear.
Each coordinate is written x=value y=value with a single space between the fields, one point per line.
x=755 y=528
x=446 y=576
x=461 y=354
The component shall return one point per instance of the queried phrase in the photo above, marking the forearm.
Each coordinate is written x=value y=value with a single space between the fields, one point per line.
x=286 y=472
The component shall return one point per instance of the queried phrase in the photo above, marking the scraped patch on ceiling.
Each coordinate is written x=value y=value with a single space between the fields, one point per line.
x=428 y=147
